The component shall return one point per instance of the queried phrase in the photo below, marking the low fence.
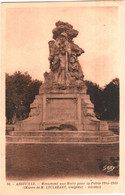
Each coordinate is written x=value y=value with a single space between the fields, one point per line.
x=9 y=128
x=114 y=126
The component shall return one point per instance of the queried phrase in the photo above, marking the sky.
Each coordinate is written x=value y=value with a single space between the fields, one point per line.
x=28 y=30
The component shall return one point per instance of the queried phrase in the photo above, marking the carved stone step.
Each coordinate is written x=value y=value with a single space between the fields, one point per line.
x=61 y=133
x=38 y=139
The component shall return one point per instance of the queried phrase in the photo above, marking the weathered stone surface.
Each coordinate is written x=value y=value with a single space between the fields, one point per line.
x=61 y=109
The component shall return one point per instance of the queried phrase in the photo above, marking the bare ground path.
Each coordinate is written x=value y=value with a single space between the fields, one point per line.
x=39 y=161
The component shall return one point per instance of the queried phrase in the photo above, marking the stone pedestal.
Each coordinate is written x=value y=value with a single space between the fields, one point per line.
x=62 y=108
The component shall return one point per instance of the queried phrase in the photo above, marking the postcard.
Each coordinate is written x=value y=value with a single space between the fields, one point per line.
x=62 y=97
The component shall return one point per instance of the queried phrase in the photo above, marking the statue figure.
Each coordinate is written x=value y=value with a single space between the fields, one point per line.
x=74 y=66
x=64 y=54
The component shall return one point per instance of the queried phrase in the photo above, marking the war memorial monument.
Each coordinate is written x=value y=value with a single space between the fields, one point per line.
x=63 y=112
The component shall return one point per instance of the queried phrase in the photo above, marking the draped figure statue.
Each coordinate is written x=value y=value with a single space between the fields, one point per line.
x=63 y=56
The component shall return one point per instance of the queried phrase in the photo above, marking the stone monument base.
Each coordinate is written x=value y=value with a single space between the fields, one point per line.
x=62 y=115
x=71 y=137
x=61 y=109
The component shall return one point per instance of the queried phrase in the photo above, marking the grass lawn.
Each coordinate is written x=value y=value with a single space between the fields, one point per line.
x=31 y=161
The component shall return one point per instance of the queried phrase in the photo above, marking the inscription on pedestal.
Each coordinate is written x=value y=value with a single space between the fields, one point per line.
x=61 y=109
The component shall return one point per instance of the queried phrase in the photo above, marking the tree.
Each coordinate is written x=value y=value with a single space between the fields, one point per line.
x=20 y=93
x=105 y=100
x=96 y=97
x=111 y=97
x=10 y=97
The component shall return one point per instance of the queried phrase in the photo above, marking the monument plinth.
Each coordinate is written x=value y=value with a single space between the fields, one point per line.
x=63 y=102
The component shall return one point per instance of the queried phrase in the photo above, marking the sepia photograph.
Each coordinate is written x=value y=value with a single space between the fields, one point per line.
x=62 y=72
